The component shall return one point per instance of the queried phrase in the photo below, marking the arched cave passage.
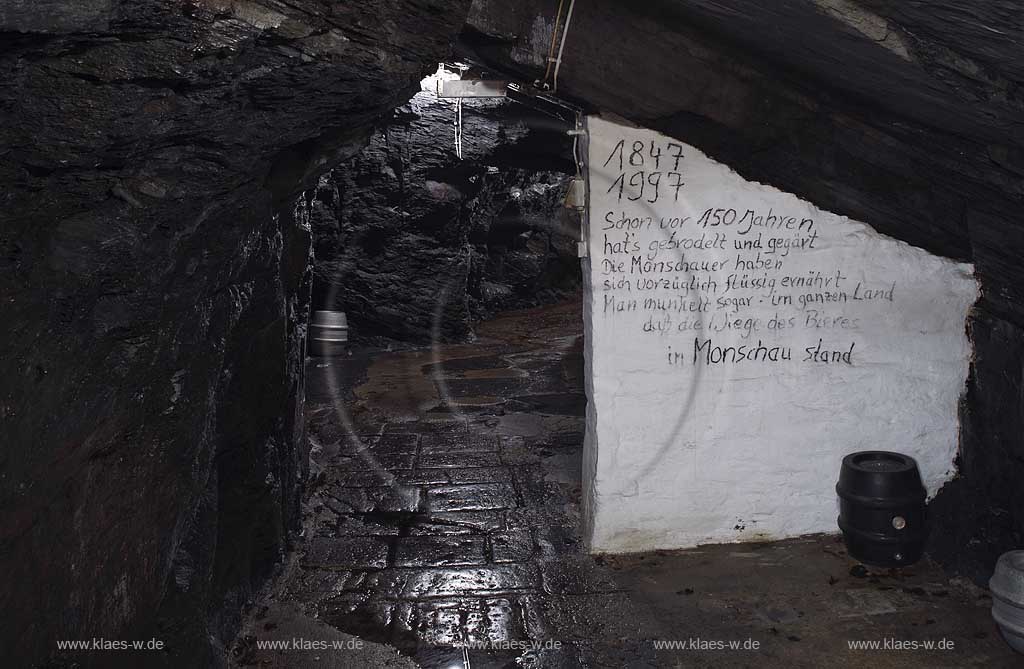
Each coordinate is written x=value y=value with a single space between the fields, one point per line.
x=410 y=238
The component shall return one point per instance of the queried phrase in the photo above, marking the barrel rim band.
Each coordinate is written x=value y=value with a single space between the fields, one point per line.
x=902 y=538
x=884 y=502
x=1015 y=626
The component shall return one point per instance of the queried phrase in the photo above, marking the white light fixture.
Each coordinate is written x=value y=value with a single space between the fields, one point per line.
x=430 y=83
x=472 y=88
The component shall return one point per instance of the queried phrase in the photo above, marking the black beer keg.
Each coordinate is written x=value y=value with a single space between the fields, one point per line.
x=881 y=508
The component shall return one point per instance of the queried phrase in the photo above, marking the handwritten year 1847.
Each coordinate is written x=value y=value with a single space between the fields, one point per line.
x=648 y=178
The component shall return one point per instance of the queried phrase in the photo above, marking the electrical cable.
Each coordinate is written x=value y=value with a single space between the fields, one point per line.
x=551 y=49
x=458 y=128
x=561 y=46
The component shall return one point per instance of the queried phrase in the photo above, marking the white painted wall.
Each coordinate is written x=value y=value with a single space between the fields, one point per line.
x=682 y=451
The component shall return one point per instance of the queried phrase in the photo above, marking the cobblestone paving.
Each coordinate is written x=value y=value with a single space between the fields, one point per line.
x=449 y=546
x=456 y=537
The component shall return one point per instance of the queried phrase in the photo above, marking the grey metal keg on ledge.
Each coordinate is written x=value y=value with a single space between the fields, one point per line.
x=328 y=334
x=1007 y=586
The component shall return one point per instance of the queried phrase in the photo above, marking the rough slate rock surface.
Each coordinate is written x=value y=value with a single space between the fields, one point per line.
x=410 y=237
x=154 y=281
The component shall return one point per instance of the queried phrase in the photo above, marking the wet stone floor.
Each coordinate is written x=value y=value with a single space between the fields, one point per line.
x=444 y=522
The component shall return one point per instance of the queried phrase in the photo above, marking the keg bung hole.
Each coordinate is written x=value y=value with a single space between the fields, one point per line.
x=899 y=522
x=880 y=461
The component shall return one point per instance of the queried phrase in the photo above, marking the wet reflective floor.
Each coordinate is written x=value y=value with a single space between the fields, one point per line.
x=444 y=522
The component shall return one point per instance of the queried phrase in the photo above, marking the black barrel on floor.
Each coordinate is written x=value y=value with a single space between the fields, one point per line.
x=882 y=508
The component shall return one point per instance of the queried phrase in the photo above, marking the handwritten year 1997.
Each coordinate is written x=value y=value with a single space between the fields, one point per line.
x=648 y=179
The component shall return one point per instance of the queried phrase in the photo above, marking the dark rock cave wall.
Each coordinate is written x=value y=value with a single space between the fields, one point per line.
x=409 y=238
x=155 y=276
x=906 y=115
